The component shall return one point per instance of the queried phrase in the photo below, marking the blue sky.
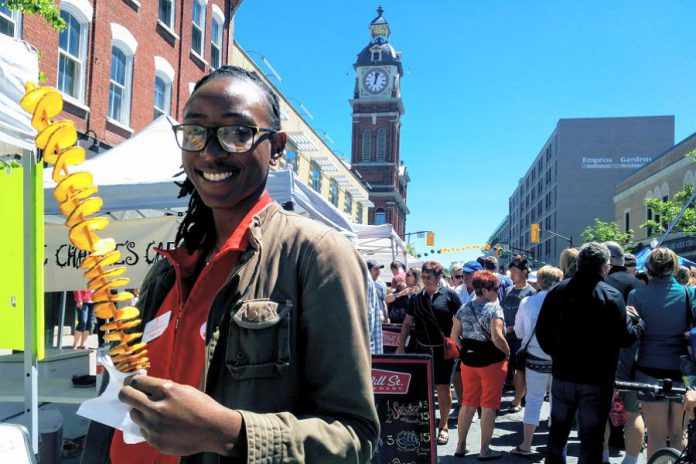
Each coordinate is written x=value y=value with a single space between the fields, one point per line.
x=486 y=82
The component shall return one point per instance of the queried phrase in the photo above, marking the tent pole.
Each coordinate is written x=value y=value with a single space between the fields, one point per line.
x=30 y=365
x=61 y=321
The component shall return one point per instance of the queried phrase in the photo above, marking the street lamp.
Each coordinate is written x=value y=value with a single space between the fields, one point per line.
x=267 y=63
x=326 y=135
x=301 y=105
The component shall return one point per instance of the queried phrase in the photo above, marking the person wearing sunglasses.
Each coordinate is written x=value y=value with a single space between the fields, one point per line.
x=431 y=310
x=246 y=365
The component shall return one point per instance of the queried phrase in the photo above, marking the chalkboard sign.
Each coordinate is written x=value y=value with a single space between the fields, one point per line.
x=403 y=386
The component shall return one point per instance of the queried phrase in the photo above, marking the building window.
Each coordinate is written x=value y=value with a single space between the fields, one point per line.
x=348 y=203
x=333 y=192
x=72 y=54
x=198 y=31
x=627 y=221
x=119 y=86
x=381 y=147
x=166 y=13
x=216 y=38
x=163 y=93
x=9 y=21
x=315 y=177
x=380 y=216
x=376 y=55
x=366 y=144
x=359 y=213
x=291 y=159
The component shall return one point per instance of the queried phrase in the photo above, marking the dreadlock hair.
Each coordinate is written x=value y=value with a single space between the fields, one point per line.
x=196 y=229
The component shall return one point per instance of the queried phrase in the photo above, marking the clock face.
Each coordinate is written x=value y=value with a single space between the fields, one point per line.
x=375 y=80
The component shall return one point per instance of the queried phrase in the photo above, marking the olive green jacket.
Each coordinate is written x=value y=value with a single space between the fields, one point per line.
x=288 y=344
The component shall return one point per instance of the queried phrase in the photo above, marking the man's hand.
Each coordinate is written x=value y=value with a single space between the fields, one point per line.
x=78 y=305
x=632 y=313
x=401 y=350
x=180 y=420
x=690 y=403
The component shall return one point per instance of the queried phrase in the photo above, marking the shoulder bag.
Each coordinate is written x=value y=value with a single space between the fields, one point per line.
x=477 y=353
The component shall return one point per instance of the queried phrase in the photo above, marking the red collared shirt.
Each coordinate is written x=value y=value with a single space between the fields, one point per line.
x=177 y=351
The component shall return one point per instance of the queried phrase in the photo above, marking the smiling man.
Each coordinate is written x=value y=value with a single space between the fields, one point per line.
x=264 y=356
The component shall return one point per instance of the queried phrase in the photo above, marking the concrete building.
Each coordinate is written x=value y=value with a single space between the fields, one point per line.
x=668 y=173
x=571 y=181
x=121 y=63
x=311 y=158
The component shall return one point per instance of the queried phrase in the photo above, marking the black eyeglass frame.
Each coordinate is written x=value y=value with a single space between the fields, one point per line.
x=210 y=131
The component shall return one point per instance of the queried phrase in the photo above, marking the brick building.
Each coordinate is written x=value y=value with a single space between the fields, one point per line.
x=121 y=63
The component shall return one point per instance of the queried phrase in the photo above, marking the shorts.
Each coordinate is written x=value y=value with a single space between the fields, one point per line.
x=442 y=368
x=652 y=397
x=483 y=386
x=630 y=401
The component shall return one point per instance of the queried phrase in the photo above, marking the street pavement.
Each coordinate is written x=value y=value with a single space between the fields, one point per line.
x=507 y=435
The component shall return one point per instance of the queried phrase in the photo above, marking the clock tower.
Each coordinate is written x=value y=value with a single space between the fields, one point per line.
x=377 y=110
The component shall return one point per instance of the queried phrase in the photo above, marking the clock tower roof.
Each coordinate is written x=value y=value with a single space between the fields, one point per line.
x=379 y=51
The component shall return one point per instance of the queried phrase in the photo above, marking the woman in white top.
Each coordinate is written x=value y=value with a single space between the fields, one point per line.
x=538 y=365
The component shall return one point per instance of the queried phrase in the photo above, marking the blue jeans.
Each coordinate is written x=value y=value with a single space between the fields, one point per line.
x=592 y=404
x=85 y=316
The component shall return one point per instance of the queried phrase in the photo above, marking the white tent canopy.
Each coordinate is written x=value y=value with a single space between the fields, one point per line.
x=383 y=245
x=18 y=64
x=138 y=174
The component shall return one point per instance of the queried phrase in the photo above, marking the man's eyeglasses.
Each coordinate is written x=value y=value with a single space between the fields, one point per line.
x=232 y=139
x=427 y=275
x=459 y=276
x=409 y=274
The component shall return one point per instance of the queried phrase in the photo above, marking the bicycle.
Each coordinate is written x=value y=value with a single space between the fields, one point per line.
x=667 y=455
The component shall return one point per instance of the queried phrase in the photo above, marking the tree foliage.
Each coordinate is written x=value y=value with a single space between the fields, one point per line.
x=411 y=249
x=668 y=210
x=602 y=231
x=47 y=9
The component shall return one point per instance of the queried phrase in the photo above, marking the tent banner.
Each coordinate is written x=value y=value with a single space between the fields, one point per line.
x=136 y=239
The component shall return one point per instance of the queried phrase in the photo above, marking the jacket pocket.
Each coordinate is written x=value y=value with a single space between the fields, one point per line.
x=258 y=343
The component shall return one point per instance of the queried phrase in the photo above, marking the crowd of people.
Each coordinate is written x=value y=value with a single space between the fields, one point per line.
x=561 y=334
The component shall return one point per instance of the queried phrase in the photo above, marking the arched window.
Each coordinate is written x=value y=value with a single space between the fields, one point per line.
x=380 y=216
x=198 y=27
x=164 y=76
x=216 y=38
x=381 y=149
x=122 y=52
x=689 y=179
x=72 y=48
x=366 y=144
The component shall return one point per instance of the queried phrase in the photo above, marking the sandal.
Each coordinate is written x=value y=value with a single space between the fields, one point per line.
x=443 y=437
x=513 y=409
x=461 y=454
x=521 y=452
x=490 y=455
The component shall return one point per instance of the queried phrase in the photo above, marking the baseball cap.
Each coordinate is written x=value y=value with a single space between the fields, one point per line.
x=532 y=277
x=615 y=249
x=472 y=266
x=630 y=260
x=371 y=263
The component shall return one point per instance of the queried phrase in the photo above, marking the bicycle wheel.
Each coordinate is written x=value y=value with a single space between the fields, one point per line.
x=665 y=456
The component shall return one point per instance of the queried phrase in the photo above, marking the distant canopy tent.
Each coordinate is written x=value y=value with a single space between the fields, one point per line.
x=642 y=257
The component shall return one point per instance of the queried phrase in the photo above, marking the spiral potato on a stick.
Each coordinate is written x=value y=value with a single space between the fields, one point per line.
x=74 y=194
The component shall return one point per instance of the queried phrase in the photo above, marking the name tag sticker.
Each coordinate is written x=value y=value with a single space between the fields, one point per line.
x=156 y=327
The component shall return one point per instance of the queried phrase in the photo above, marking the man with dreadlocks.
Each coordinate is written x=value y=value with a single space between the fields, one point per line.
x=264 y=354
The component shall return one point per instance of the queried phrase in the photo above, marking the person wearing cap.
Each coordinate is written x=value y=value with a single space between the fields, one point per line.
x=630 y=263
x=466 y=288
x=519 y=271
x=490 y=263
x=532 y=280
x=634 y=430
x=375 y=271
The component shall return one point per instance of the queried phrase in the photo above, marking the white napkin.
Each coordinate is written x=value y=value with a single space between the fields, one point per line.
x=107 y=409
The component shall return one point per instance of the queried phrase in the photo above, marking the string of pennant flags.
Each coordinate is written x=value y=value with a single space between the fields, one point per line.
x=496 y=248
